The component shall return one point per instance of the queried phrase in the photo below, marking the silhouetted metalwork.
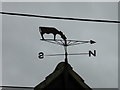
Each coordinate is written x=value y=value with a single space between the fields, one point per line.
x=52 y=30
x=62 y=18
x=63 y=42
x=68 y=42
x=68 y=54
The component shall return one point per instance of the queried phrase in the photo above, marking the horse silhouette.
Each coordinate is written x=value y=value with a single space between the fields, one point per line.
x=49 y=30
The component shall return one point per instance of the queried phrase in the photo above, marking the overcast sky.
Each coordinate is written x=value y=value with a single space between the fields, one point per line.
x=21 y=43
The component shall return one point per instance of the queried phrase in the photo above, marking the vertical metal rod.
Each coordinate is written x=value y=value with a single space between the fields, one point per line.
x=66 y=54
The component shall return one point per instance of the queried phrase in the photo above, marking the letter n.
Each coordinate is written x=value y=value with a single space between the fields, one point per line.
x=92 y=53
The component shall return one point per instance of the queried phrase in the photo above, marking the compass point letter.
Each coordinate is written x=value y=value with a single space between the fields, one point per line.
x=92 y=53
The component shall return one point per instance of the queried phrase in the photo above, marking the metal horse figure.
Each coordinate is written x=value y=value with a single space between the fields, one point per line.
x=52 y=30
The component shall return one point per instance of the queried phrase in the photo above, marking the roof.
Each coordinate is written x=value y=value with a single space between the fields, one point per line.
x=63 y=77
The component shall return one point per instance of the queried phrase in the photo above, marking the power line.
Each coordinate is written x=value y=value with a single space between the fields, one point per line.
x=17 y=87
x=62 y=18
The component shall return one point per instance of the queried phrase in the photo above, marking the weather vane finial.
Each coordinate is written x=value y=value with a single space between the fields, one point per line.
x=63 y=42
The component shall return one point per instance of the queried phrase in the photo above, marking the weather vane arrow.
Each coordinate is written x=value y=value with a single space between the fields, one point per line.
x=92 y=42
x=69 y=42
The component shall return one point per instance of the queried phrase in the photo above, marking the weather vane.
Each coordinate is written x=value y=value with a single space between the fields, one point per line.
x=63 y=42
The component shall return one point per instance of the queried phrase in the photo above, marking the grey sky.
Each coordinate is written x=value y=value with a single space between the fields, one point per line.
x=21 y=43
